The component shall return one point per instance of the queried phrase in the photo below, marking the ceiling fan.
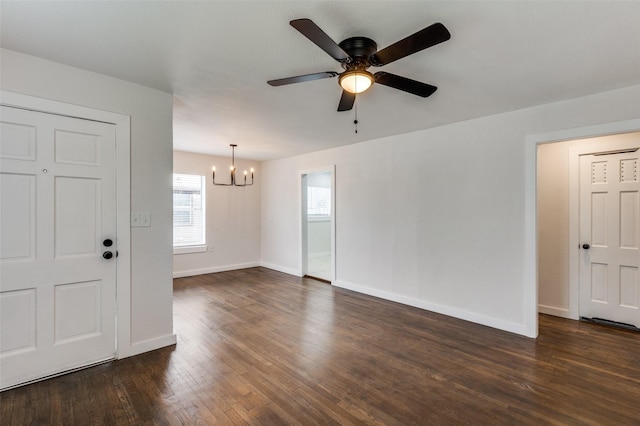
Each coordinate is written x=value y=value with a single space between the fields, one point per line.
x=357 y=54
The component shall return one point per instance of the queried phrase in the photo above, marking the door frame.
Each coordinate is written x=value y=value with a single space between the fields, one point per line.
x=302 y=270
x=530 y=278
x=123 y=196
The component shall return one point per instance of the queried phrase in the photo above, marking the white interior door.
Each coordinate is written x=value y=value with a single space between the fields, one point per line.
x=610 y=237
x=57 y=207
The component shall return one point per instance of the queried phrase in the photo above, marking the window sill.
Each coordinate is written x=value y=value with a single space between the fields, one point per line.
x=190 y=249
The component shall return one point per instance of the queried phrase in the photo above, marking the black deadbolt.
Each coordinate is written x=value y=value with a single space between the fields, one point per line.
x=107 y=255
x=107 y=242
x=586 y=246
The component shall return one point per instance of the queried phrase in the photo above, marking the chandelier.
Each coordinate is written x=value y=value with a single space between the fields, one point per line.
x=232 y=170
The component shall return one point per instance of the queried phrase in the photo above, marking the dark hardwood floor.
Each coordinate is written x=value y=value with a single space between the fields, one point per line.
x=264 y=348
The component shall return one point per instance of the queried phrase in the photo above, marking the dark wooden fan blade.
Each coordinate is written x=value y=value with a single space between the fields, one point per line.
x=302 y=78
x=346 y=101
x=311 y=31
x=405 y=84
x=430 y=36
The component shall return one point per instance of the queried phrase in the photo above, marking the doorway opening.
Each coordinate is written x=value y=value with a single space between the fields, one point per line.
x=318 y=224
x=588 y=226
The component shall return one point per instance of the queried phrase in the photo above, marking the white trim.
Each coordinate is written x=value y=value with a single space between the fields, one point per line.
x=123 y=152
x=295 y=273
x=152 y=344
x=213 y=270
x=556 y=312
x=123 y=188
x=189 y=249
x=530 y=252
x=574 y=236
x=304 y=225
x=434 y=307
x=531 y=214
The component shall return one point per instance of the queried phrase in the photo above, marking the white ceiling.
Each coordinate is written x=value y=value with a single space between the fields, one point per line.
x=216 y=56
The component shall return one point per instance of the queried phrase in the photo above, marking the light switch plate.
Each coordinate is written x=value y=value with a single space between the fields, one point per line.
x=135 y=219
x=145 y=218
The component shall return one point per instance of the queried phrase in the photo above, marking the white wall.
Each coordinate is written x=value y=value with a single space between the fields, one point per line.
x=232 y=217
x=553 y=227
x=439 y=222
x=151 y=163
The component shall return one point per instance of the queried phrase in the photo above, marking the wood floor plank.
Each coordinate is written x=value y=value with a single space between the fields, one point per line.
x=258 y=347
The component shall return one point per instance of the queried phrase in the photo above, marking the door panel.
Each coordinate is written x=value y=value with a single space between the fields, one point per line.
x=17 y=141
x=629 y=218
x=599 y=275
x=77 y=148
x=18 y=307
x=599 y=219
x=610 y=224
x=629 y=287
x=17 y=216
x=77 y=311
x=76 y=215
x=57 y=204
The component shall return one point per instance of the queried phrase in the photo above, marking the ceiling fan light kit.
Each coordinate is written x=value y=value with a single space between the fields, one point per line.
x=356 y=81
x=357 y=54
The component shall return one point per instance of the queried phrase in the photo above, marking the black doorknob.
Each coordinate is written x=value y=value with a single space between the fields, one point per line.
x=107 y=255
x=107 y=242
x=586 y=246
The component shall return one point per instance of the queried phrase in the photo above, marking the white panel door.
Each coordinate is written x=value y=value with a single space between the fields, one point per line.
x=57 y=206
x=610 y=237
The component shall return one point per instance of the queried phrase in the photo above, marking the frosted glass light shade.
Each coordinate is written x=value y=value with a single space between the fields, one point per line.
x=356 y=81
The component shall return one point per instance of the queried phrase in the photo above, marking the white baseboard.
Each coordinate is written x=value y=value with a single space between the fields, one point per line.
x=440 y=309
x=557 y=312
x=150 y=345
x=280 y=269
x=202 y=271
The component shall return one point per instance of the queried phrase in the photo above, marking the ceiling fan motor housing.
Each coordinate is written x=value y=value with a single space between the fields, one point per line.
x=359 y=48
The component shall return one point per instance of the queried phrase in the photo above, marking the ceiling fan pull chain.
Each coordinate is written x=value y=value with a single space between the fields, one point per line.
x=355 y=122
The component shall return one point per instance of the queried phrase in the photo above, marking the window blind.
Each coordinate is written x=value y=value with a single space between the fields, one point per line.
x=188 y=210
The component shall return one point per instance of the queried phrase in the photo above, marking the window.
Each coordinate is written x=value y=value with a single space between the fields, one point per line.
x=318 y=201
x=188 y=210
